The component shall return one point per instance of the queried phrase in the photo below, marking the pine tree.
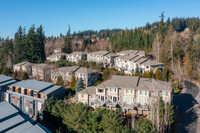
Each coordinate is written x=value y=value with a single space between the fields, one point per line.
x=158 y=74
x=60 y=81
x=41 y=44
x=18 y=48
x=67 y=46
x=137 y=72
x=25 y=76
x=79 y=85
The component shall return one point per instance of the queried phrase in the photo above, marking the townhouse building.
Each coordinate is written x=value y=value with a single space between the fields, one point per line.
x=76 y=56
x=42 y=71
x=13 y=120
x=65 y=72
x=4 y=82
x=30 y=95
x=129 y=62
x=89 y=76
x=56 y=57
x=23 y=67
x=126 y=92
x=97 y=56
x=133 y=52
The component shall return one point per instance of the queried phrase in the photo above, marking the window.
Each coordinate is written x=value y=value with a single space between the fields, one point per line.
x=102 y=98
x=92 y=96
x=112 y=89
x=114 y=99
x=100 y=90
x=142 y=101
x=128 y=100
x=129 y=91
x=147 y=66
x=82 y=95
x=92 y=103
x=143 y=93
x=164 y=93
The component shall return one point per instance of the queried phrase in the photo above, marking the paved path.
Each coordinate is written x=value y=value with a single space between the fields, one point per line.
x=186 y=114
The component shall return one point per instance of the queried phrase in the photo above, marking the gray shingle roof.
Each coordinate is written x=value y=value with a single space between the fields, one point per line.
x=86 y=70
x=89 y=90
x=66 y=69
x=129 y=82
x=101 y=53
x=32 y=84
x=150 y=62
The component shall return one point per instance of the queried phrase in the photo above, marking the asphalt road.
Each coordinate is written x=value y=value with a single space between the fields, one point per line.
x=186 y=116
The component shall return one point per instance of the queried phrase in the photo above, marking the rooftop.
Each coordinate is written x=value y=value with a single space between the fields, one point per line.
x=4 y=78
x=89 y=90
x=43 y=65
x=66 y=69
x=133 y=82
x=86 y=70
x=103 y=53
x=14 y=120
x=32 y=84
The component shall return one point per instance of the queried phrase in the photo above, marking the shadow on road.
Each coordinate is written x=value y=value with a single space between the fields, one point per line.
x=186 y=115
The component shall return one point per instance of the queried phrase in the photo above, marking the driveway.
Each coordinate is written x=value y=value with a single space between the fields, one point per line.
x=185 y=114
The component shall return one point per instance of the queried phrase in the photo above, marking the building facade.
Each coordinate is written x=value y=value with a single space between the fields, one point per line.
x=89 y=76
x=127 y=93
x=30 y=95
x=42 y=71
x=23 y=67
x=65 y=72
x=129 y=62
x=56 y=57
x=76 y=56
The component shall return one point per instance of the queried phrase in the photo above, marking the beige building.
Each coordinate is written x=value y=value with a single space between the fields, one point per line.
x=76 y=56
x=42 y=71
x=126 y=92
x=129 y=62
x=55 y=57
x=65 y=72
x=89 y=76
x=24 y=67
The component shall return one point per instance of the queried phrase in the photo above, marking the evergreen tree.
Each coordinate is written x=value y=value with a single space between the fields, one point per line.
x=60 y=81
x=25 y=76
x=144 y=126
x=137 y=71
x=41 y=44
x=158 y=74
x=18 y=48
x=67 y=46
x=79 y=85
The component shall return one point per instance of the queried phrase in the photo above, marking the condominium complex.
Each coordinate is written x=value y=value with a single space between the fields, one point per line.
x=13 y=120
x=126 y=92
x=30 y=95
x=129 y=62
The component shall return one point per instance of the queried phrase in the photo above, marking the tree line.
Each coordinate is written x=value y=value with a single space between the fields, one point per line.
x=30 y=46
